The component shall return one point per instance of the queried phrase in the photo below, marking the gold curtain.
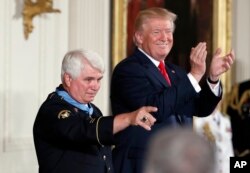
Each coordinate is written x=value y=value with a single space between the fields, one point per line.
x=119 y=36
x=222 y=37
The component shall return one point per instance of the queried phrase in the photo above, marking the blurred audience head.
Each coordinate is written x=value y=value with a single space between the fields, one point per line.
x=179 y=150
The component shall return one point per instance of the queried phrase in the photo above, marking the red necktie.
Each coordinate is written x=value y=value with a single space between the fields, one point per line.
x=163 y=72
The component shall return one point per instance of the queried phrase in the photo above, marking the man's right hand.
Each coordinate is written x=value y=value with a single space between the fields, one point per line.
x=143 y=118
x=198 y=61
x=140 y=117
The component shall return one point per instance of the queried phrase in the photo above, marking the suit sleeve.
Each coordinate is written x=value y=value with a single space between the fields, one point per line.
x=73 y=129
x=134 y=87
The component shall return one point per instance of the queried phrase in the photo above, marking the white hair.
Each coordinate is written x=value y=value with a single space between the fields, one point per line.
x=73 y=62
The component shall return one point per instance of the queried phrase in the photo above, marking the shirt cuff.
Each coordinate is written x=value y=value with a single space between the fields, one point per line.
x=215 y=89
x=194 y=83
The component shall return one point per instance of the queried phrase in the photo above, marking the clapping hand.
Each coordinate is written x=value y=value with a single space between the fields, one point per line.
x=220 y=64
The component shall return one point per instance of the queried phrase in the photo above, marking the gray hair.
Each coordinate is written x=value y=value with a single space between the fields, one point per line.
x=179 y=150
x=73 y=62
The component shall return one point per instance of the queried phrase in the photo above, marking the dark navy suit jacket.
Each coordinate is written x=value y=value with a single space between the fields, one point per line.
x=137 y=82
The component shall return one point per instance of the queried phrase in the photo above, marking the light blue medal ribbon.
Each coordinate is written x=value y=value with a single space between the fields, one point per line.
x=84 y=107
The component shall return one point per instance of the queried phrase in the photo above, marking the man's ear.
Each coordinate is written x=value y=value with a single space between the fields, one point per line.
x=138 y=37
x=67 y=79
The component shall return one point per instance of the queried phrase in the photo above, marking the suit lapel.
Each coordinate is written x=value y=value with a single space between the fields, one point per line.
x=150 y=68
x=153 y=71
x=172 y=74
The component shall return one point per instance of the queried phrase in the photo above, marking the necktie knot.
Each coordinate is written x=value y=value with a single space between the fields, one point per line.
x=164 y=72
x=161 y=66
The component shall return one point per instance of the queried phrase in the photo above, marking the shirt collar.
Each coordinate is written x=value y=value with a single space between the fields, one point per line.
x=155 y=62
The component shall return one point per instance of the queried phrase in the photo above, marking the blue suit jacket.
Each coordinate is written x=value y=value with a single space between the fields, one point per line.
x=137 y=82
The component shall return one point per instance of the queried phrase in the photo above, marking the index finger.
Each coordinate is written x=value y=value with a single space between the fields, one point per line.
x=150 y=109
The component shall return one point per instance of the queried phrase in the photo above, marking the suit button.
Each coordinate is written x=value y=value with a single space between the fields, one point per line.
x=108 y=168
x=104 y=157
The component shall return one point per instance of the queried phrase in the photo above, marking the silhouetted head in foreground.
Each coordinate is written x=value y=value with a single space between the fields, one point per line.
x=179 y=150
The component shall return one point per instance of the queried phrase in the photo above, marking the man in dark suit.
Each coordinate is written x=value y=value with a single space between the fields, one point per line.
x=70 y=133
x=137 y=81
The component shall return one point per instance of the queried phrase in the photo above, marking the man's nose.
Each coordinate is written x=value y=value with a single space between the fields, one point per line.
x=95 y=85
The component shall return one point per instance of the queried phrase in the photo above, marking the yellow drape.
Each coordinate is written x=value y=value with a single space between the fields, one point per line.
x=222 y=37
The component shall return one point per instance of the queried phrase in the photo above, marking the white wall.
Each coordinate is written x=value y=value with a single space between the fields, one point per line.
x=89 y=28
x=241 y=38
x=30 y=69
